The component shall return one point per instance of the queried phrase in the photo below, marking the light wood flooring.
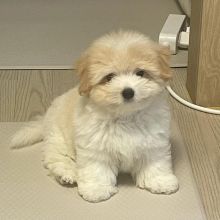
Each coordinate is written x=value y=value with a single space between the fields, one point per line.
x=26 y=93
x=201 y=134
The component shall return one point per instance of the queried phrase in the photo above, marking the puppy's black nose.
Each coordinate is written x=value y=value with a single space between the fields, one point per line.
x=128 y=93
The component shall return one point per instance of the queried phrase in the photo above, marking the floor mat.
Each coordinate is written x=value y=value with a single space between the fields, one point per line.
x=28 y=193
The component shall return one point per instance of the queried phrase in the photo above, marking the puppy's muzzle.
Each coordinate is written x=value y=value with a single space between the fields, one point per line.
x=128 y=94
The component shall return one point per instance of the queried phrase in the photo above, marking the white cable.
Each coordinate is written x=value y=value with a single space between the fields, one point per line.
x=193 y=106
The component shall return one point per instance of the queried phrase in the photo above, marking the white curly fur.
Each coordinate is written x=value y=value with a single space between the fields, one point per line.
x=89 y=139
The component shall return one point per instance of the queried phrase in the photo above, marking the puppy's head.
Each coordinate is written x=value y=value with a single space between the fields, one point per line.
x=122 y=71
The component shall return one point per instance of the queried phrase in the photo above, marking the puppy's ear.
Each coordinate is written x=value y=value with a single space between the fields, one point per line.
x=82 y=69
x=163 y=61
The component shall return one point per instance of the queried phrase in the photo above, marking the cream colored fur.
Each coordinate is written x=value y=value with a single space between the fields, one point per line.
x=91 y=133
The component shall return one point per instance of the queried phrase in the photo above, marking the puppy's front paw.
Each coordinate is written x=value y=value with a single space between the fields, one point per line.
x=97 y=193
x=165 y=184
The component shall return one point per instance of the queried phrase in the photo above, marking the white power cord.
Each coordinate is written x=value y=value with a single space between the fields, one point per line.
x=193 y=106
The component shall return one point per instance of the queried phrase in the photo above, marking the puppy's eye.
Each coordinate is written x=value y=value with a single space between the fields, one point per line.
x=108 y=77
x=144 y=73
x=140 y=73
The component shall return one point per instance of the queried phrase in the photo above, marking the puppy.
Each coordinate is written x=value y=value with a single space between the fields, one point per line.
x=116 y=120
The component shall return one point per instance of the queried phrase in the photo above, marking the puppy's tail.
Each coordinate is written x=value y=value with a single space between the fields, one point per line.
x=28 y=135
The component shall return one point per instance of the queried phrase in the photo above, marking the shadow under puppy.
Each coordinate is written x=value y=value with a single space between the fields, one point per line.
x=116 y=120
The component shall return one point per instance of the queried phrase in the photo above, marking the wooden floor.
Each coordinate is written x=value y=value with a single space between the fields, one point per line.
x=25 y=93
x=201 y=134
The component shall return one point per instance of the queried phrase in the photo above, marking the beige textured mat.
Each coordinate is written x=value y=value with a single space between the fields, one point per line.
x=38 y=34
x=26 y=192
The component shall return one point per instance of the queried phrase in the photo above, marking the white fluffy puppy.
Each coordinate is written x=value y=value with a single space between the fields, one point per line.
x=116 y=120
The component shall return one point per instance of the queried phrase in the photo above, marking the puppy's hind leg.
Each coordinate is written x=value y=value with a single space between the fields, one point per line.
x=59 y=158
